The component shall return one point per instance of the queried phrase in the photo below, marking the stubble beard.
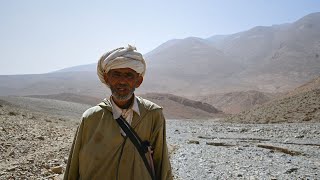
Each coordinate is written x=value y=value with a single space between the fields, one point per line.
x=122 y=97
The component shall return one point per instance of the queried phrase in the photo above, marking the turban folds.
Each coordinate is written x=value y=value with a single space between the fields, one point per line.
x=123 y=57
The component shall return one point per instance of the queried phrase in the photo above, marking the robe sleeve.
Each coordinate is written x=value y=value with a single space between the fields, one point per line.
x=160 y=156
x=72 y=169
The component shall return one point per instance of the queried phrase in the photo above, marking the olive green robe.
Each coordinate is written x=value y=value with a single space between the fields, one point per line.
x=99 y=151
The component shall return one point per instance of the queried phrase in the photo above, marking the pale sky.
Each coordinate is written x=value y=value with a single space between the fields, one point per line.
x=40 y=36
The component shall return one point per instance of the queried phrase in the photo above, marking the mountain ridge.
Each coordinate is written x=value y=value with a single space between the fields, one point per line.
x=268 y=59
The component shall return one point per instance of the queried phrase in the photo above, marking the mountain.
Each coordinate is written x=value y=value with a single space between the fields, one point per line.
x=190 y=65
x=86 y=67
x=266 y=59
x=300 y=105
x=279 y=57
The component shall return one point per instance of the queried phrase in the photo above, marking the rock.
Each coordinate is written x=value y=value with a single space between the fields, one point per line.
x=47 y=166
x=65 y=159
x=60 y=177
x=12 y=168
x=11 y=153
x=30 y=160
x=193 y=142
x=299 y=136
x=57 y=169
x=291 y=170
x=40 y=138
x=217 y=144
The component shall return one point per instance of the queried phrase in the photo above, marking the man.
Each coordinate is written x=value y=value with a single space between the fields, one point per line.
x=101 y=149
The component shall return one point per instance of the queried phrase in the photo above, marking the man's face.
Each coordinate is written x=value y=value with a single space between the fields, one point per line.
x=123 y=82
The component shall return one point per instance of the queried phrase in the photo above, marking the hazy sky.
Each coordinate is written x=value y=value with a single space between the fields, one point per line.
x=39 y=36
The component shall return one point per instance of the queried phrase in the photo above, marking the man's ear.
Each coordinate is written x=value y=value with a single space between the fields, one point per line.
x=139 y=81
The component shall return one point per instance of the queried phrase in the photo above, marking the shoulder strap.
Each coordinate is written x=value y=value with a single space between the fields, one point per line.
x=142 y=146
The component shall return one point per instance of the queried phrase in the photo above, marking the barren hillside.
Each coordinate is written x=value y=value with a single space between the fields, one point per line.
x=302 y=107
x=313 y=84
x=49 y=106
x=176 y=107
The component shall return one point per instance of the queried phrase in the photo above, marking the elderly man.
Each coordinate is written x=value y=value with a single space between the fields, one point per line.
x=101 y=149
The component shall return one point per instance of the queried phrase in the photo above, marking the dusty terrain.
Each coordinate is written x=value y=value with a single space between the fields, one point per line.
x=35 y=145
x=215 y=150
x=299 y=105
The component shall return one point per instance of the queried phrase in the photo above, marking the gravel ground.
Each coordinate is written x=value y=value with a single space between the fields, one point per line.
x=213 y=150
x=35 y=145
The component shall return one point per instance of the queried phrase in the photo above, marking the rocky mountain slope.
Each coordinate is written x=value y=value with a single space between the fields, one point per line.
x=311 y=85
x=279 y=56
x=269 y=59
x=299 y=105
x=188 y=64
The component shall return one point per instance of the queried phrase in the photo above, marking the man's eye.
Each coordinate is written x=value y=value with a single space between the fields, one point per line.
x=129 y=76
x=115 y=75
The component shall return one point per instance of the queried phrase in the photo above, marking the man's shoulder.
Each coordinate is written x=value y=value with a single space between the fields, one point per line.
x=95 y=110
x=149 y=105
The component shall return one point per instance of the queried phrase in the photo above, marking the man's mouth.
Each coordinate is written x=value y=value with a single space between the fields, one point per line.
x=122 y=89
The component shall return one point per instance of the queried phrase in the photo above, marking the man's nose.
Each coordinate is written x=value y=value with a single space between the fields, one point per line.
x=122 y=79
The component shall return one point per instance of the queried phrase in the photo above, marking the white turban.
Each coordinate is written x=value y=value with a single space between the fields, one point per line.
x=123 y=57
